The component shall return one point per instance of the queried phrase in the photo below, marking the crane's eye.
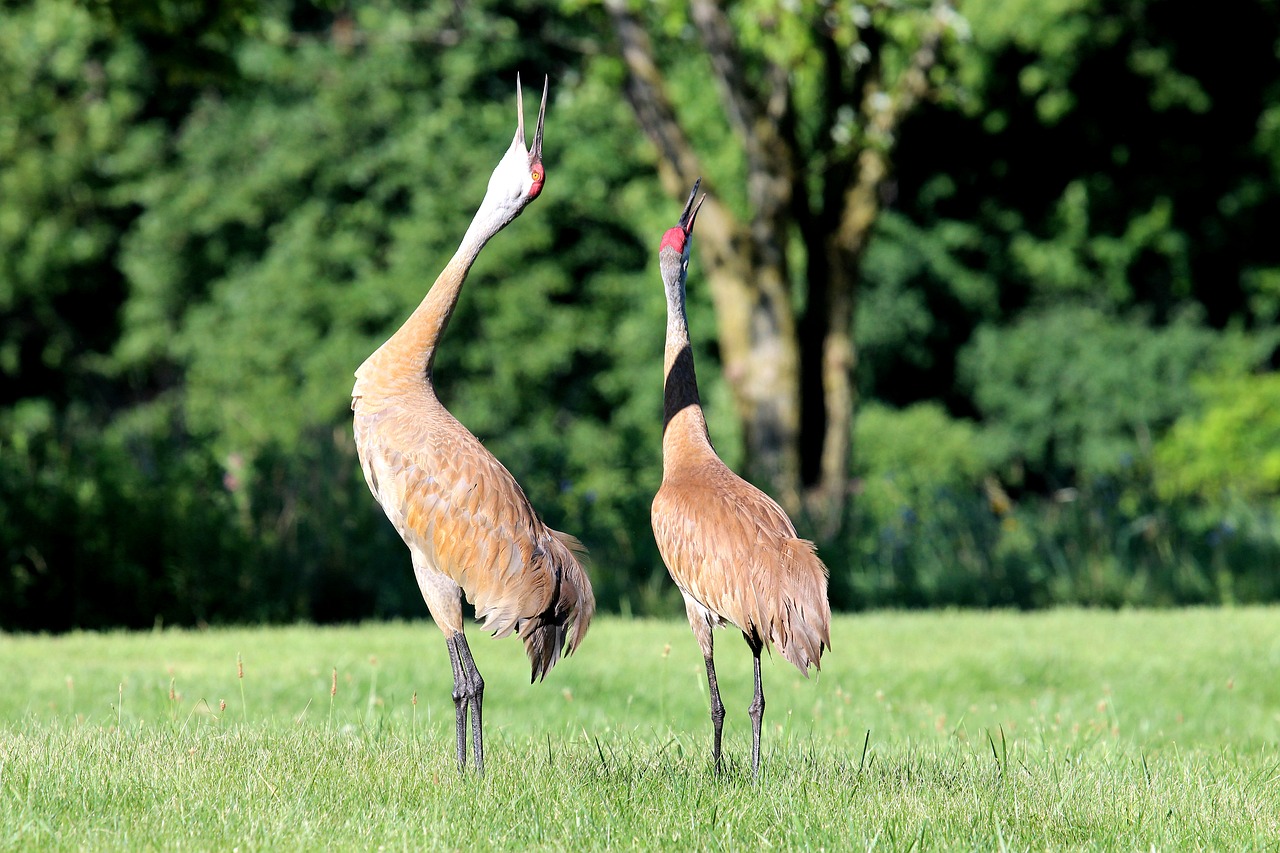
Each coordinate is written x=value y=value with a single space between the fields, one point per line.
x=536 y=175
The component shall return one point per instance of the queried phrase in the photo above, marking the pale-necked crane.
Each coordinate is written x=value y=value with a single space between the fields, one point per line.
x=730 y=548
x=469 y=527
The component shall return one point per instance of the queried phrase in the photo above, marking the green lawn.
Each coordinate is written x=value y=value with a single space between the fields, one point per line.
x=947 y=730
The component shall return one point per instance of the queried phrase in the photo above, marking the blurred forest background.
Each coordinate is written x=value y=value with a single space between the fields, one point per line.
x=986 y=294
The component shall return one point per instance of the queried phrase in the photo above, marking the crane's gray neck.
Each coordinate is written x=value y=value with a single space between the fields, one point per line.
x=683 y=418
x=675 y=270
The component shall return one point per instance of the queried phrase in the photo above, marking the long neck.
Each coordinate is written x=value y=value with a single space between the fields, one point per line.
x=684 y=433
x=406 y=359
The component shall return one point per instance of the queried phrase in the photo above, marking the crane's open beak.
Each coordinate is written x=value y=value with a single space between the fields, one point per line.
x=691 y=209
x=535 y=153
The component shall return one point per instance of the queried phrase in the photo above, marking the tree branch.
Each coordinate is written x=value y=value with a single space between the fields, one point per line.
x=760 y=119
x=717 y=37
x=647 y=96
x=886 y=110
x=914 y=82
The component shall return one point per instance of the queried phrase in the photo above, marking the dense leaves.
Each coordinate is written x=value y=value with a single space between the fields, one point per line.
x=71 y=134
x=1072 y=391
x=1064 y=316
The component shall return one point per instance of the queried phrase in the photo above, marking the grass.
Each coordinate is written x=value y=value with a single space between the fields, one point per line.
x=1067 y=729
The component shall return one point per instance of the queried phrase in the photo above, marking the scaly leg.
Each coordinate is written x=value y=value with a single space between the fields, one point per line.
x=459 y=699
x=756 y=710
x=717 y=712
x=475 y=698
x=701 y=626
x=444 y=600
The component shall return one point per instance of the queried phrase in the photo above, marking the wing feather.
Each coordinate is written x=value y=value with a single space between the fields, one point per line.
x=729 y=546
x=458 y=507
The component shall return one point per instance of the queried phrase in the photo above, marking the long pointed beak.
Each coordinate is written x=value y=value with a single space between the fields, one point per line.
x=535 y=154
x=691 y=209
x=519 y=113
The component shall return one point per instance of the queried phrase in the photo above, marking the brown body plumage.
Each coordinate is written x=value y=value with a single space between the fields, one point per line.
x=730 y=548
x=467 y=523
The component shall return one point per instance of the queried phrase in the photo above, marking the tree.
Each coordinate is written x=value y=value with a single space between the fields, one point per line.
x=72 y=136
x=1229 y=450
x=1071 y=394
x=1124 y=164
x=815 y=94
x=307 y=212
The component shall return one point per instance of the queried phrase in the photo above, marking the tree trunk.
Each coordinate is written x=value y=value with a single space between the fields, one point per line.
x=756 y=330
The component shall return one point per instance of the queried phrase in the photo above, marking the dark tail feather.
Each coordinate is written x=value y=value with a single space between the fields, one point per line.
x=543 y=643
x=560 y=628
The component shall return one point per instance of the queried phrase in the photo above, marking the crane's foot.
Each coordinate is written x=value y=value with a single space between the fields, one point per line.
x=468 y=697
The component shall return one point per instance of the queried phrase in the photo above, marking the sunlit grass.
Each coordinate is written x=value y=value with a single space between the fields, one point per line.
x=969 y=730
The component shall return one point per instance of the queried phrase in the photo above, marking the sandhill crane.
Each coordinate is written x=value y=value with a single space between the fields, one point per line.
x=469 y=527
x=729 y=547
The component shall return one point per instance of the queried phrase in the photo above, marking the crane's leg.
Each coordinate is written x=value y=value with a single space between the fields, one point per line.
x=459 y=699
x=444 y=600
x=756 y=709
x=701 y=625
x=717 y=712
x=475 y=698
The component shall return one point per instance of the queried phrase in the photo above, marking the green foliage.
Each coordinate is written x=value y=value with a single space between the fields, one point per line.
x=122 y=528
x=918 y=474
x=905 y=454
x=1074 y=392
x=1102 y=180
x=210 y=216
x=933 y=525
x=1228 y=449
x=1077 y=262
x=1108 y=543
x=71 y=132
x=919 y=300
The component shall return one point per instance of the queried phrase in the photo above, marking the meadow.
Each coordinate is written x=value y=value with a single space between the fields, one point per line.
x=1065 y=729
